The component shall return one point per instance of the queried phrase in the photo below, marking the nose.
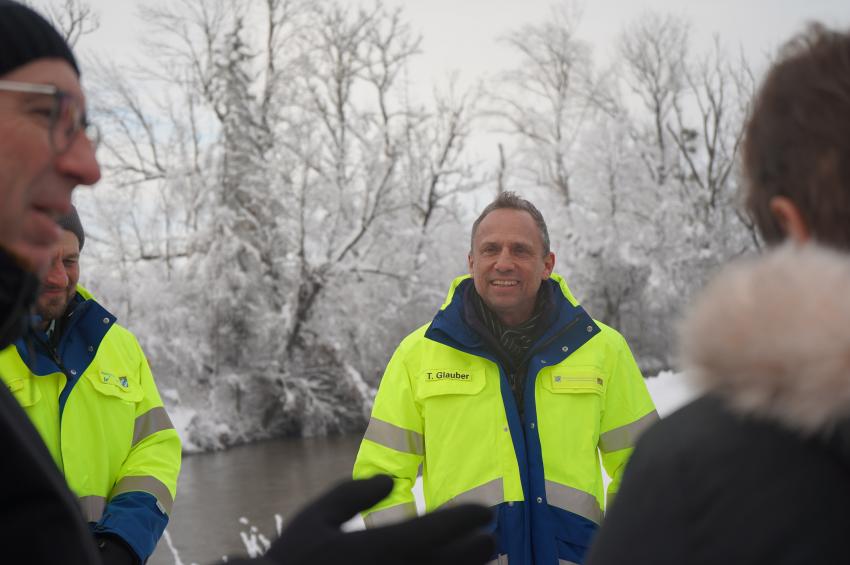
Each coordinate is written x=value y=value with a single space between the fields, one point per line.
x=504 y=261
x=79 y=161
x=56 y=275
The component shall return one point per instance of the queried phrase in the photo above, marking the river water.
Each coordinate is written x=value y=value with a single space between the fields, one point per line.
x=254 y=482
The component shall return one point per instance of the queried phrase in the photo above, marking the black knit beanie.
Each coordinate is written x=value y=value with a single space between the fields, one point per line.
x=71 y=222
x=26 y=36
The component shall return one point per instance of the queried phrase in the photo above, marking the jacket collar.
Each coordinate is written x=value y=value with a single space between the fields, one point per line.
x=772 y=336
x=449 y=327
x=88 y=325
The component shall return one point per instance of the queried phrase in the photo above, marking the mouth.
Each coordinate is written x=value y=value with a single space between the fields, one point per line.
x=52 y=290
x=504 y=283
x=52 y=199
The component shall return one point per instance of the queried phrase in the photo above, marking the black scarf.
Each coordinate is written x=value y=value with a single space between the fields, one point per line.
x=510 y=344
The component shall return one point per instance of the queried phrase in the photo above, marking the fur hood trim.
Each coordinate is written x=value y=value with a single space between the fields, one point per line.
x=772 y=336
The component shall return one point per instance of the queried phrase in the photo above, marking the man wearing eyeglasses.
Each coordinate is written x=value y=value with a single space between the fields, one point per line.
x=41 y=170
x=47 y=149
x=46 y=94
x=43 y=156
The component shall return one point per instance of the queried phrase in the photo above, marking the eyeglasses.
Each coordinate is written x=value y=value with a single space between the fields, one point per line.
x=67 y=117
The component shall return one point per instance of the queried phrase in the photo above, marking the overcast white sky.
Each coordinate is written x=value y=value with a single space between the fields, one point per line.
x=463 y=35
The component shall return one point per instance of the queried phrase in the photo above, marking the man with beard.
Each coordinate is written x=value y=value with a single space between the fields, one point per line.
x=86 y=385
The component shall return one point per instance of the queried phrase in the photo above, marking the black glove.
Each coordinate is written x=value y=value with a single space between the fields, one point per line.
x=446 y=537
x=115 y=551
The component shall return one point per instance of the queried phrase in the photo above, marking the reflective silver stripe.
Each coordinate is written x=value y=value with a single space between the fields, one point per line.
x=390 y=515
x=565 y=562
x=626 y=436
x=152 y=421
x=488 y=494
x=151 y=485
x=573 y=500
x=92 y=507
x=394 y=437
x=502 y=559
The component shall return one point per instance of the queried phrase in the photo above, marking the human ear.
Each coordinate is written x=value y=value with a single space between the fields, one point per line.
x=790 y=219
x=548 y=265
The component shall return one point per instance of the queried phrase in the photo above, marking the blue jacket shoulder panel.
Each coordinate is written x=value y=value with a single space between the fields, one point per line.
x=86 y=327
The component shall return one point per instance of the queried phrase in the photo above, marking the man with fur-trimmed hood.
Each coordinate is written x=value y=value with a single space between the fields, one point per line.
x=757 y=471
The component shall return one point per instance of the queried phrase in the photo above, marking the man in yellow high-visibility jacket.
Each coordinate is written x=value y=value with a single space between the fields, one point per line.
x=508 y=397
x=85 y=383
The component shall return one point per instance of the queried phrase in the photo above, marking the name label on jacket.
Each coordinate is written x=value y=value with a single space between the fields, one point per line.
x=447 y=376
x=442 y=381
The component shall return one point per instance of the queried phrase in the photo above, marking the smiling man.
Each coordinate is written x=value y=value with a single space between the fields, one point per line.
x=86 y=385
x=507 y=398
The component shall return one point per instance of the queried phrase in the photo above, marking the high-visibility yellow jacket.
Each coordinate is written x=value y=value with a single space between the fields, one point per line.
x=93 y=400
x=445 y=403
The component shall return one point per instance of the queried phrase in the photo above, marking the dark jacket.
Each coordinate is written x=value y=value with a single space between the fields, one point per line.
x=757 y=471
x=40 y=521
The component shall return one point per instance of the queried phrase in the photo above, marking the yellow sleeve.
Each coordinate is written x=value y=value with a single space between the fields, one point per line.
x=628 y=412
x=153 y=463
x=394 y=443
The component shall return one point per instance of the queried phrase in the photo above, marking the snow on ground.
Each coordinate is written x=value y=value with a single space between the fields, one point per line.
x=670 y=391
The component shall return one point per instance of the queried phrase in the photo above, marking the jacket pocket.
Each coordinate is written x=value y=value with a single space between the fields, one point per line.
x=25 y=391
x=115 y=385
x=574 y=380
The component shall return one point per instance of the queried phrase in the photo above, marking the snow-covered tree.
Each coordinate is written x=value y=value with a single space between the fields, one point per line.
x=635 y=166
x=548 y=100
x=284 y=190
x=281 y=207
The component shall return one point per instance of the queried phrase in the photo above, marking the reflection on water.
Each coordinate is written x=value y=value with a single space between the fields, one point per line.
x=253 y=481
